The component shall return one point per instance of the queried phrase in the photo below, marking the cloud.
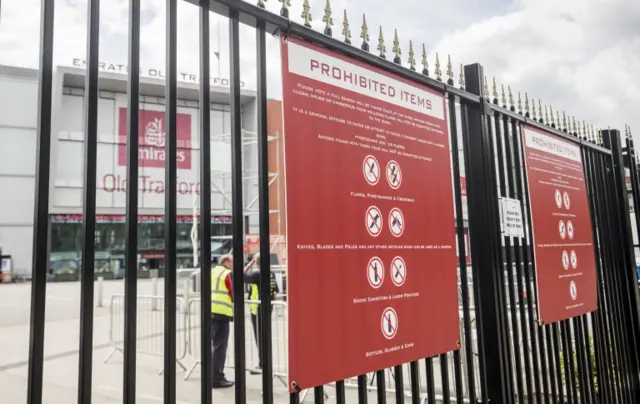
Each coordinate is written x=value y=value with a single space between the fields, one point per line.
x=576 y=55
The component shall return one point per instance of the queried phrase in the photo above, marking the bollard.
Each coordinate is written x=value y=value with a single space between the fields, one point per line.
x=154 y=293
x=99 y=293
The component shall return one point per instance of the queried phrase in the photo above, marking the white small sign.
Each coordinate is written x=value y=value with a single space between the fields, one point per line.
x=512 y=220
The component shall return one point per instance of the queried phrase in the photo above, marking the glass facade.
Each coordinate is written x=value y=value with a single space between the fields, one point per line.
x=66 y=238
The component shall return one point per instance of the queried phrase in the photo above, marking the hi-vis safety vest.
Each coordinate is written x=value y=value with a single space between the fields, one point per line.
x=255 y=295
x=221 y=302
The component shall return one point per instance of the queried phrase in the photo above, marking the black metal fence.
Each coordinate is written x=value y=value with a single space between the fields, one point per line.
x=505 y=356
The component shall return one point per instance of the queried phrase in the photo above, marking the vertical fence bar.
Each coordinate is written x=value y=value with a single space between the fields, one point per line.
x=399 y=382
x=131 y=222
x=414 y=375
x=237 y=207
x=464 y=275
x=483 y=231
x=381 y=388
x=318 y=395
x=263 y=194
x=40 y=260
x=362 y=390
x=85 y=366
x=340 y=393
x=170 y=204
x=431 y=390
x=205 y=206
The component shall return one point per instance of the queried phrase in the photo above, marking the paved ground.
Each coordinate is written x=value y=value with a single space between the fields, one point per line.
x=62 y=339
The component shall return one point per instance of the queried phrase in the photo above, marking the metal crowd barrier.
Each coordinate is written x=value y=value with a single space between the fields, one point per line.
x=279 y=327
x=150 y=327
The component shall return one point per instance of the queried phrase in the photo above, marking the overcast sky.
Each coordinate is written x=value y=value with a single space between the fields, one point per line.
x=577 y=55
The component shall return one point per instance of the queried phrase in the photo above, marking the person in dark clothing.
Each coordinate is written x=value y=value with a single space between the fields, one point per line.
x=252 y=278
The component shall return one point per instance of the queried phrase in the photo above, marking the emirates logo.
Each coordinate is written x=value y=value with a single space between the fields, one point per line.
x=154 y=133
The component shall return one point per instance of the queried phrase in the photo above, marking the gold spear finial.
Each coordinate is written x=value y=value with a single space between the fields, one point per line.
x=425 y=62
x=396 y=48
x=487 y=95
x=584 y=130
x=527 y=111
x=461 y=82
x=540 y=116
x=553 y=121
x=558 y=119
x=564 y=122
x=438 y=72
x=284 y=11
x=546 y=115
x=381 y=48
x=592 y=134
x=511 y=102
x=503 y=97
x=327 y=19
x=306 y=13
x=519 y=103
x=573 y=124
x=495 y=91
x=261 y=3
x=346 y=31
x=364 y=34
x=449 y=71
x=412 y=57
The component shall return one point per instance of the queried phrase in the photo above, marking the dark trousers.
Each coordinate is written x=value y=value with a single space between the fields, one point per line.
x=257 y=332
x=219 y=342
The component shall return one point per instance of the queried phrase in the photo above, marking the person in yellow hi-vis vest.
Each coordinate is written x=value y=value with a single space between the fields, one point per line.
x=252 y=278
x=221 y=315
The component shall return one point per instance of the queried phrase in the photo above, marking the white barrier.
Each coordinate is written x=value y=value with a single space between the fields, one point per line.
x=150 y=327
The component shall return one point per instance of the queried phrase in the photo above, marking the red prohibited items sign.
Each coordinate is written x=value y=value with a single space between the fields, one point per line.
x=394 y=174
x=375 y=272
x=396 y=222
x=389 y=323
x=373 y=221
x=371 y=170
x=561 y=224
x=398 y=271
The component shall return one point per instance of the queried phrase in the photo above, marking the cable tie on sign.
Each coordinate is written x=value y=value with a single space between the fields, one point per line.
x=285 y=32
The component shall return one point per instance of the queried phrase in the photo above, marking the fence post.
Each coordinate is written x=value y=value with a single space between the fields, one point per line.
x=484 y=233
x=626 y=257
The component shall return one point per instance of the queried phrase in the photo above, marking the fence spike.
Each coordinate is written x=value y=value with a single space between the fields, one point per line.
x=364 y=34
x=461 y=82
x=284 y=11
x=546 y=115
x=425 y=62
x=346 y=31
x=584 y=130
x=438 y=71
x=511 y=102
x=327 y=19
x=519 y=103
x=396 y=48
x=593 y=134
x=558 y=119
x=495 y=91
x=449 y=71
x=503 y=96
x=564 y=122
x=306 y=13
x=261 y=4
x=526 y=105
x=600 y=142
x=533 y=109
x=381 y=48
x=540 y=115
x=412 y=57
x=573 y=125
x=487 y=95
